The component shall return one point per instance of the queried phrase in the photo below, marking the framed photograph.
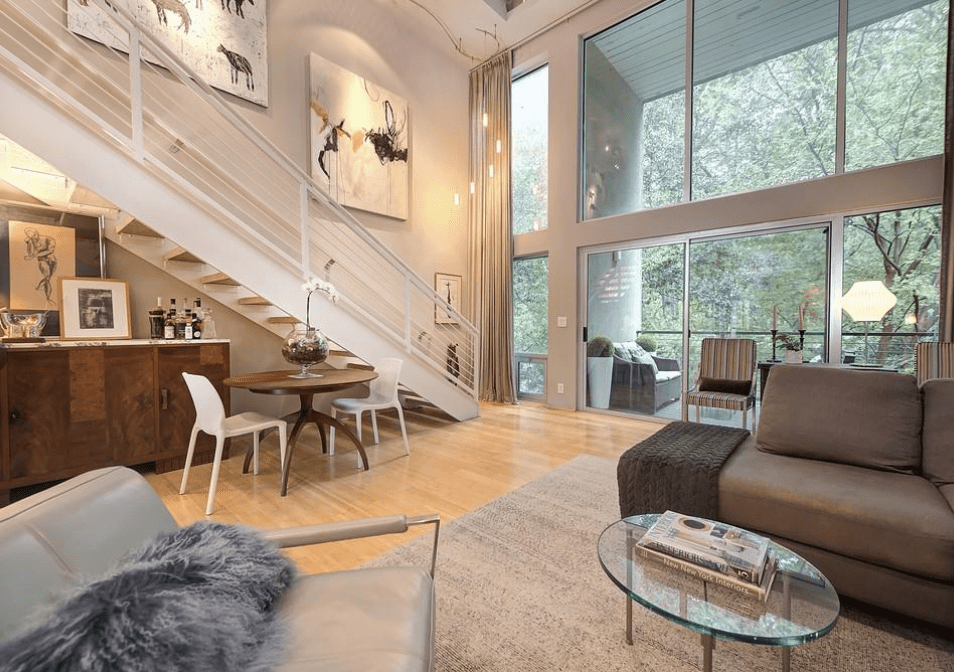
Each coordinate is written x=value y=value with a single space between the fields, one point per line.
x=94 y=309
x=448 y=288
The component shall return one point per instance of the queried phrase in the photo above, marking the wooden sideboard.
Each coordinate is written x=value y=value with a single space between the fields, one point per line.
x=67 y=407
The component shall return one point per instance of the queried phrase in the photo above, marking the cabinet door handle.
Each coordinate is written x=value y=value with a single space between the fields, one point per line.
x=164 y=393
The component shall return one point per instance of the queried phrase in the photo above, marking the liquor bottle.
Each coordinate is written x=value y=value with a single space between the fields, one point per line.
x=169 y=328
x=157 y=320
x=197 y=321
x=180 y=322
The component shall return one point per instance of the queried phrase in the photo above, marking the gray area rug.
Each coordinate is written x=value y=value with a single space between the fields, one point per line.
x=520 y=589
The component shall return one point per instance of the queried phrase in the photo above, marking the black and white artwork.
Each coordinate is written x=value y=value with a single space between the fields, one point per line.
x=96 y=308
x=222 y=41
x=39 y=255
x=359 y=140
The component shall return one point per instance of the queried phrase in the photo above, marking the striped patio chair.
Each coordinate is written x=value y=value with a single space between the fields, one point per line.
x=726 y=377
x=934 y=360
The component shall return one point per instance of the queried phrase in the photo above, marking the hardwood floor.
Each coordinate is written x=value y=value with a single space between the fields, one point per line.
x=453 y=468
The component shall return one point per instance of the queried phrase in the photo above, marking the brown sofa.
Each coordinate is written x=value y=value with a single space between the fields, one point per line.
x=643 y=381
x=854 y=470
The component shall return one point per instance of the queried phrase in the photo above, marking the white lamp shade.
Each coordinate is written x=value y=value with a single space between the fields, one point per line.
x=868 y=301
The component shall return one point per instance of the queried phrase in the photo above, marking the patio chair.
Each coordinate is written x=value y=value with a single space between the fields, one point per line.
x=726 y=377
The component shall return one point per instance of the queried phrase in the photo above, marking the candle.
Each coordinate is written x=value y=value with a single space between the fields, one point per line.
x=774 y=318
x=801 y=318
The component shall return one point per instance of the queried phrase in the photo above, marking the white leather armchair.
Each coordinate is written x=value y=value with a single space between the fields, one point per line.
x=375 y=619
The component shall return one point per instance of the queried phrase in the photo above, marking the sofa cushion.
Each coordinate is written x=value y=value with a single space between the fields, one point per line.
x=865 y=418
x=742 y=387
x=373 y=620
x=937 y=442
x=894 y=520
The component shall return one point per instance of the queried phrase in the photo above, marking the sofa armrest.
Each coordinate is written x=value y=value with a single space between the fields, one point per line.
x=307 y=535
x=666 y=364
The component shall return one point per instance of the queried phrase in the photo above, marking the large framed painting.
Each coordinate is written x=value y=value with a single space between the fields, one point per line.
x=222 y=41
x=359 y=140
x=37 y=248
x=93 y=308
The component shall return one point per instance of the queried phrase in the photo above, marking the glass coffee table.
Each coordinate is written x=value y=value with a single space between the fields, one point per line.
x=802 y=605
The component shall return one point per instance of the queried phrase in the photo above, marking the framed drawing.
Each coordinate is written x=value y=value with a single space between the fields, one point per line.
x=37 y=248
x=94 y=309
x=359 y=140
x=448 y=288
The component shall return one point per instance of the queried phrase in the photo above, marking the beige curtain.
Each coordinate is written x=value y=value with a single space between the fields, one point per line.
x=490 y=239
x=946 y=331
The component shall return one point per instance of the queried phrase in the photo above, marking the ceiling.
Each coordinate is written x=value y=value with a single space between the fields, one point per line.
x=464 y=22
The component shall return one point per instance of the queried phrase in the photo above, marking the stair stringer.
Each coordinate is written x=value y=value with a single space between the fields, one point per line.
x=109 y=168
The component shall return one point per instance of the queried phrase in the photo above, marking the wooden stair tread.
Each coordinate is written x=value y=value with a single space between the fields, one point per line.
x=181 y=254
x=254 y=301
x=136 y=228
x=337 y=352
x=218 y=279
x=283 y=319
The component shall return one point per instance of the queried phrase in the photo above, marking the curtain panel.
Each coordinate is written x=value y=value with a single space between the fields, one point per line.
x=490 y=229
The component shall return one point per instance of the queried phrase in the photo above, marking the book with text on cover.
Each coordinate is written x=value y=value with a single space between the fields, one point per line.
x=717 y=546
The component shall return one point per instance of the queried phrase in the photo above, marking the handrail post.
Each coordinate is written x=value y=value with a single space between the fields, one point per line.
x=135 y=95
x=305 y=233
x=407 y=312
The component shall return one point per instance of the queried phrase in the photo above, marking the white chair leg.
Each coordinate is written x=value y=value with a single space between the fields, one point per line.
x=400 y=412
x=698 y=410
x=374 y=425
x=745 y=416
x=188 y=460
x=357 y=421
x=331 y=434
x=219 y=446
x=255 y=453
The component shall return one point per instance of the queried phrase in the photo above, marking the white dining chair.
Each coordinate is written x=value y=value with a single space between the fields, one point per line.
x=384 y=394
x=210 y=418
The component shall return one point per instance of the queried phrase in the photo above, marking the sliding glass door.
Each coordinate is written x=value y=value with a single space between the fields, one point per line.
x=634 y=318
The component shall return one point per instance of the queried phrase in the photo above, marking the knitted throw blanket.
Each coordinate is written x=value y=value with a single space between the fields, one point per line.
x=677 y=469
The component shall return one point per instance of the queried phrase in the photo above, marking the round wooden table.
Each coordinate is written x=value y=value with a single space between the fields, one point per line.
x=281 y=382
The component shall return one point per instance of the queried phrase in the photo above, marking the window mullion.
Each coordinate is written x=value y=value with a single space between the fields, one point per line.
x=687 y=134
x=841 y=87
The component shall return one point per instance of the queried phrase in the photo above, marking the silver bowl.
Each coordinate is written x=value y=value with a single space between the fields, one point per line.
x=22 y=325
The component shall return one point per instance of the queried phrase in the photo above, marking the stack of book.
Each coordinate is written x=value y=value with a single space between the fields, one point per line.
x=722 y=554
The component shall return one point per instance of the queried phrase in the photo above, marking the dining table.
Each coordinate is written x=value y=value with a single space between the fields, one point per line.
x=325 y=379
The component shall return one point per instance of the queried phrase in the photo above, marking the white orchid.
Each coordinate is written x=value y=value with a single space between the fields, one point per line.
x=317 y=284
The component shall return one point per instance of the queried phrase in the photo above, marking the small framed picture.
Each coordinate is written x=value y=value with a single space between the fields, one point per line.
x=94 y=308
x=448 y=288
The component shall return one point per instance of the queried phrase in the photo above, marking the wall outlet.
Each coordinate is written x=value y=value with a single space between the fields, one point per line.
x=561 y=321
x=559 y=388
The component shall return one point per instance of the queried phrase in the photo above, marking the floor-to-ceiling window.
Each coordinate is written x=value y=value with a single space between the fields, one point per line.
x=529 y=155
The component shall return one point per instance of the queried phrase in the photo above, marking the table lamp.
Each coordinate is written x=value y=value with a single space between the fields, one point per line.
x=868 y=301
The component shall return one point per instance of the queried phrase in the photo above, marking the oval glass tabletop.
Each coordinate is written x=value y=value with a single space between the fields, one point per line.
x=801 y=606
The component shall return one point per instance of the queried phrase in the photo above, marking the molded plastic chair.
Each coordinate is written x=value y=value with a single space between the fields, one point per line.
x=210 y=418
x=384 y=394
x=726 y=368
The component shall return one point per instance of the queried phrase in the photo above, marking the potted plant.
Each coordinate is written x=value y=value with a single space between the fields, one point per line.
x=647 y=342
x=792 y=346
x=599 y=370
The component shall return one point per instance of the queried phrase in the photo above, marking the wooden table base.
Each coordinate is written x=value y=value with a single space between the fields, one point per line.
x=306 y=415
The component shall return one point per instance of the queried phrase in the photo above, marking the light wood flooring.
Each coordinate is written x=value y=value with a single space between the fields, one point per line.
x=453 y=468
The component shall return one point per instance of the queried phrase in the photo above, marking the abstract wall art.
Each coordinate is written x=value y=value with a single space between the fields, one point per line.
x=222 y=41
x=359 y=140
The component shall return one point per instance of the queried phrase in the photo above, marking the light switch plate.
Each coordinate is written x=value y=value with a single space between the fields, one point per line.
x=561 y=321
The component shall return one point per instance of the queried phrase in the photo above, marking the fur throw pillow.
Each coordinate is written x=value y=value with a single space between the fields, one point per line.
x=196 y=599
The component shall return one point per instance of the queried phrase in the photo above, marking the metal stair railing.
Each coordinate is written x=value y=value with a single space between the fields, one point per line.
x=136 y=93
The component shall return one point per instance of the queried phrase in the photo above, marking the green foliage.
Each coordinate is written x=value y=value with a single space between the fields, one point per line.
x=647 y=342
x=599 y=346
x=530 y=305
x=788 y=342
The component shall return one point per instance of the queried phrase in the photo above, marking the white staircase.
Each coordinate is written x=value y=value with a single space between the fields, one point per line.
x=113 y=123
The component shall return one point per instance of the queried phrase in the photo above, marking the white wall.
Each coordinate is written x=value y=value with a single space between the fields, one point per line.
x=900 y=185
